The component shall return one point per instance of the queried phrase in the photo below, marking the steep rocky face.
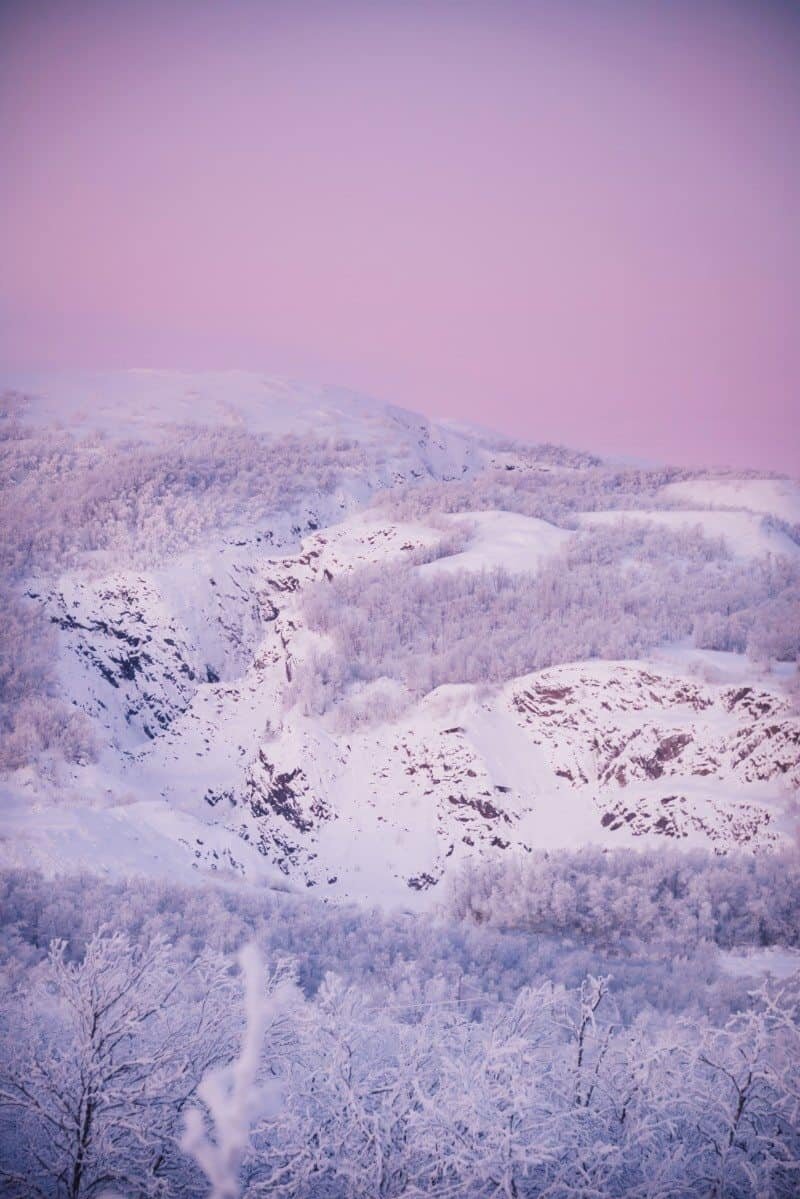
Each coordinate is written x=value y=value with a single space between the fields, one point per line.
x=126 y=660
x=742 y=733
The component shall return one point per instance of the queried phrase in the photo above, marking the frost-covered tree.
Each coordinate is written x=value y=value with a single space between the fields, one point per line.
x=103 y=1061
x=34 y=721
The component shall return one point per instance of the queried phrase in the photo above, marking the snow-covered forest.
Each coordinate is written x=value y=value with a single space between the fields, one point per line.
x=612 y=593
x=391 y=810
x=68 y=497
x=394 y=1055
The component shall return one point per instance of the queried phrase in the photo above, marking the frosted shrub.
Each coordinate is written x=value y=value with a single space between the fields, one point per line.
x=33 y=720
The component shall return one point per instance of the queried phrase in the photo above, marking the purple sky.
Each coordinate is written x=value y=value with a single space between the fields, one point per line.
x=573 y=221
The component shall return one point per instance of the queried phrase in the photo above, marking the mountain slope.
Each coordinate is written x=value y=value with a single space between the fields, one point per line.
x=193 y=670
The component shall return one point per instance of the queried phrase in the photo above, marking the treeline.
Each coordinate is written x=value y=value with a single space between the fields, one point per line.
x=572 y=483
x=665 y=898
x=387 y=953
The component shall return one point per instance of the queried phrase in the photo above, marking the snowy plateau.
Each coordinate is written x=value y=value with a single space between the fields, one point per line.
x=193 y=613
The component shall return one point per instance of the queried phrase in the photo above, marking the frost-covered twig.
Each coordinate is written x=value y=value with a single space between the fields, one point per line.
x=232 y=1095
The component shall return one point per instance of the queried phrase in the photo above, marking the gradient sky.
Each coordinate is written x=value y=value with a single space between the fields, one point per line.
x=572 y=221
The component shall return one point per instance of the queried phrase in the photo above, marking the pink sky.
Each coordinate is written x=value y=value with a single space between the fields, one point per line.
x=572 y=221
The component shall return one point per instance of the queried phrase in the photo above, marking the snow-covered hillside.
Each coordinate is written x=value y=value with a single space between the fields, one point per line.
x=200 y=669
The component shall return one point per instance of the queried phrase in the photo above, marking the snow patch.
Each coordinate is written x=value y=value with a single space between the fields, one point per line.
x=502 y=540
x=774 y=497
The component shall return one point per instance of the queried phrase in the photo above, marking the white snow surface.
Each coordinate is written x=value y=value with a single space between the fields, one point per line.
x=775 y=497
x=776 y=961
x=504 y=540
x=139 y=402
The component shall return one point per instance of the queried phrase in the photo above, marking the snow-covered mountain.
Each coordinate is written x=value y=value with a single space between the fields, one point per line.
x=191 y=666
